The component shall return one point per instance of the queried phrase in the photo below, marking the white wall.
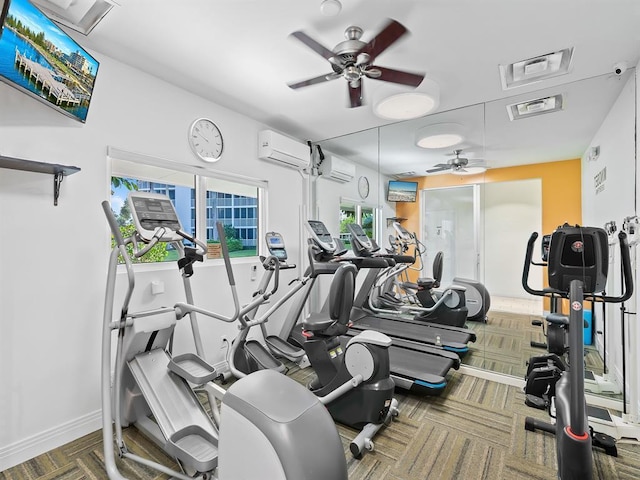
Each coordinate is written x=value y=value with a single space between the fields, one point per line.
x=54 y=259
x=512 y=211
x=612 y=200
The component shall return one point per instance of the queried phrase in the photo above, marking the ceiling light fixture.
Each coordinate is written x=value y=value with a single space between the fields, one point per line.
x=80 y=15
x=538 y=106
x=330 y=8
x=536 y=69
x=404 y=106
x=439 y=135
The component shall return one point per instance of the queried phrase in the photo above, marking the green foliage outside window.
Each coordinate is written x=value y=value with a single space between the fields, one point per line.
x=158 y=253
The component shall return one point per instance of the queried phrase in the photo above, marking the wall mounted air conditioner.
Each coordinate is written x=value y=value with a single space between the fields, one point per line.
x=337 y=169
x=282 y=150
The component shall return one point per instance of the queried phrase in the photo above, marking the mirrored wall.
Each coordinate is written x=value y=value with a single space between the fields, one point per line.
x=539 y=168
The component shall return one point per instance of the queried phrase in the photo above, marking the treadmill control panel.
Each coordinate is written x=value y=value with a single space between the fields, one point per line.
x=360 y=236
x=151 y=211
x=321 y=235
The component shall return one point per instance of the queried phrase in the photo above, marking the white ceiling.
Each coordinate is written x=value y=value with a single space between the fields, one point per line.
x=238 y=53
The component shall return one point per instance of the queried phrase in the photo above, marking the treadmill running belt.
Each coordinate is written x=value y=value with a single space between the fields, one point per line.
x=450 y=340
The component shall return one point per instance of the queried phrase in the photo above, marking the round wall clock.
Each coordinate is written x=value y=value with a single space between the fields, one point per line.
x=205 y=140
x=363 y=186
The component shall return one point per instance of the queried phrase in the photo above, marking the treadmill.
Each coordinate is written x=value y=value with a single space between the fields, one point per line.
x=415 y=366
x=454 y=339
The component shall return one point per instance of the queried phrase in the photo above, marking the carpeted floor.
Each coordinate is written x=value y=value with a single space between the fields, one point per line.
x=473 y=432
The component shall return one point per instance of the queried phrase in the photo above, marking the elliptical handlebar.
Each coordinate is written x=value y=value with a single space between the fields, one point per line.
x=626 y=270
x=201 y=247
x=113 y=224
x=273 y=260
x=527 y=264
x=225 y=253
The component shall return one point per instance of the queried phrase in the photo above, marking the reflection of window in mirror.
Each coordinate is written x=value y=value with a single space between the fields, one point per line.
x=364 y=216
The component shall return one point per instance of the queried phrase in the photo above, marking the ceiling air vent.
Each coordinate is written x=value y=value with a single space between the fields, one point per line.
x=535 y=107
x=404 y=175
x=536 y=69
x=80 y=15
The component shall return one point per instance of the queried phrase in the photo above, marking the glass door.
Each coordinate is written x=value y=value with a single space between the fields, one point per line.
x=450 y=225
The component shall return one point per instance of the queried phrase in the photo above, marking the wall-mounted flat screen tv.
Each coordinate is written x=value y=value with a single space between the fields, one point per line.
x=400 y=191
x=39 y=59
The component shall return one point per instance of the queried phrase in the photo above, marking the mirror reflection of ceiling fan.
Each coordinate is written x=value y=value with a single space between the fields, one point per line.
x=353 y=59
x=460 y=165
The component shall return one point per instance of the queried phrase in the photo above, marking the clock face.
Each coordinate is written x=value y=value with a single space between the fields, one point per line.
x=205 y=140
x=363 y=187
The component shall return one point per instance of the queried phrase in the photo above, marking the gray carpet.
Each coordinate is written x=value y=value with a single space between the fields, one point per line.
x=474 y=431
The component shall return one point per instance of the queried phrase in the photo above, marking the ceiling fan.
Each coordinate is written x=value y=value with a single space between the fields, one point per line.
x=353 y=59
x=459 y=165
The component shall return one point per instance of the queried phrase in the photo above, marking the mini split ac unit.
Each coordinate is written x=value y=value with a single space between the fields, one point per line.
x=282 y=150
x=337 y=169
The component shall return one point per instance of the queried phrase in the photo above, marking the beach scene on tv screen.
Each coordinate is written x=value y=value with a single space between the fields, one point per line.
x=402 y=192
x=39 y=57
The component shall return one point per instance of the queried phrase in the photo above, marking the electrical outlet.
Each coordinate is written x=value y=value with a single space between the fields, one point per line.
x=254 y=272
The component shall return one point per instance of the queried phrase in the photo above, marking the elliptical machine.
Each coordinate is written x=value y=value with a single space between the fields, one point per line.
x=577 y=269
x=152 y=388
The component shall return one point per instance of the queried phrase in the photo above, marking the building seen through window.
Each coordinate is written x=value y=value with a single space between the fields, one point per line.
x=237 y=211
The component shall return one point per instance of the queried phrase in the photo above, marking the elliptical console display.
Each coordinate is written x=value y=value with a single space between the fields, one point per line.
x=151 y=211
x=275 y=244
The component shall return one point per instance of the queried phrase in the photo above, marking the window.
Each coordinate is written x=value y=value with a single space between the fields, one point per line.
x=218 y=201
x=351 y=212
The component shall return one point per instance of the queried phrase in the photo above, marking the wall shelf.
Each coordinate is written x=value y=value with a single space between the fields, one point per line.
x=390 y=220
x=58 y=171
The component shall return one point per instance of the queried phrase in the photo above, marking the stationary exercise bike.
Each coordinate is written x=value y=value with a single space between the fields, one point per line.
x=337 y=359
x=266 y=414
x=577 y=270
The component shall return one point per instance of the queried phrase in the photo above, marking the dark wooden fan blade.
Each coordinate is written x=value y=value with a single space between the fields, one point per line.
x=313 y=45
x=313 y=81
x=398 y=76
x=355 y=96
x=439 y=169
x=389 y=34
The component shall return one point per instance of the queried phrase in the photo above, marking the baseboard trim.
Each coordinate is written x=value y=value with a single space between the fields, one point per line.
x=493 y=376
x=31 y=447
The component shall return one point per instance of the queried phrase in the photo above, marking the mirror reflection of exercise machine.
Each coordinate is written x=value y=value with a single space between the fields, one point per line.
x=477 y=298
x=416 y=362
x=266 y=414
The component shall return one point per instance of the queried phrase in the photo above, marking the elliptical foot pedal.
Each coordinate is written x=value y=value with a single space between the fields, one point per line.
x=536 y=402
x=605 y=442
x=192 y=368
x=195 y=447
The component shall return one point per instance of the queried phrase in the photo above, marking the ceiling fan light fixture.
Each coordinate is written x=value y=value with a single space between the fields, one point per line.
x=473 y=170
x=439 y=135
x=405 y=106
x=330 y=8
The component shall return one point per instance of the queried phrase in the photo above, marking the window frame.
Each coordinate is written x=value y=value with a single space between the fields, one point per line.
x=200 y=176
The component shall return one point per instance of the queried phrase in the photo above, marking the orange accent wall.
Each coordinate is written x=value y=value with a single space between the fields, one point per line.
x=561 y=191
